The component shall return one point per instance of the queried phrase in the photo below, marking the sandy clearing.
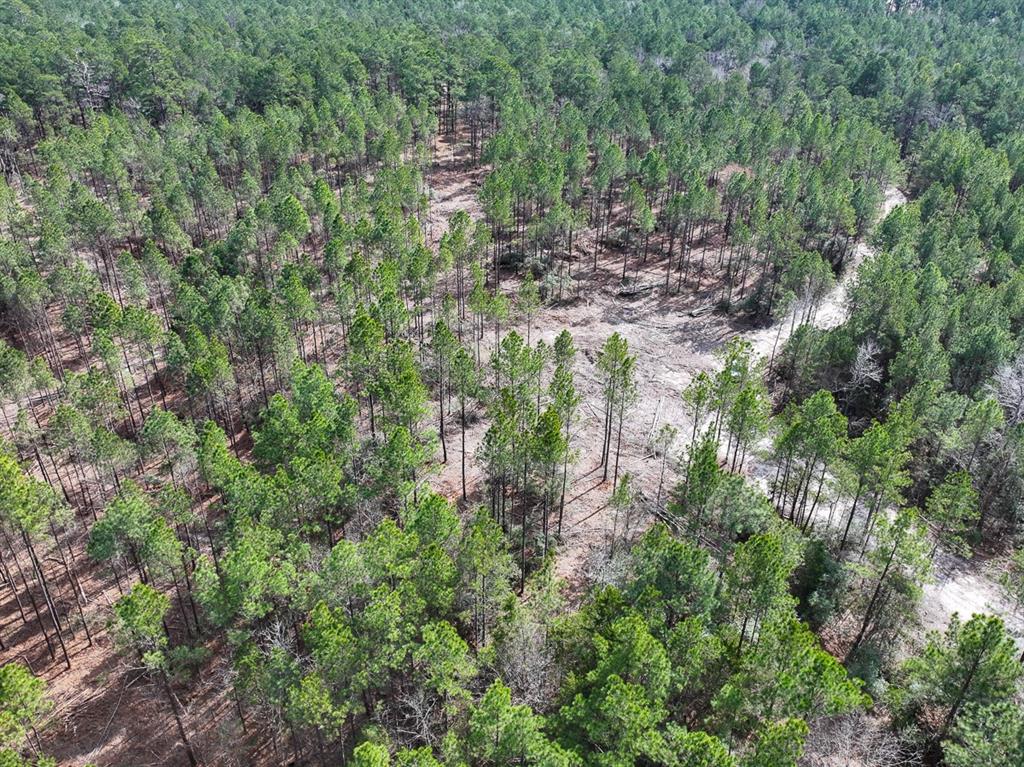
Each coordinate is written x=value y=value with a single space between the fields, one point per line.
x=671 y=347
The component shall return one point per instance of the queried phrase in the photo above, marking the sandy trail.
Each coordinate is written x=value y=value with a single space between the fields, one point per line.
x=832 y=311
x=967 y=587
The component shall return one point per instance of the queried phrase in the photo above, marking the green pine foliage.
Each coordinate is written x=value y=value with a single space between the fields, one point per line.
x=288 y=404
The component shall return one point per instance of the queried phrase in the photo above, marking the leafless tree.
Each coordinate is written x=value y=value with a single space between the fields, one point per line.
x=866 y=369
x=857 y=739
x=1008 y=387
x=603 y=570
x=90 y=85
x=524 y=656
x=414 y=718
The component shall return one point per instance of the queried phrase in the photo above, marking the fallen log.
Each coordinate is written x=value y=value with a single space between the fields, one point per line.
x=632 y=290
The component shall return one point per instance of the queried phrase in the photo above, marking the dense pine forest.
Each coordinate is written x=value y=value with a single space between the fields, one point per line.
x=514 y=382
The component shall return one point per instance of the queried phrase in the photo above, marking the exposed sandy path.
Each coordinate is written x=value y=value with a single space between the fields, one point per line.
x=967 y=587
x=832 y=311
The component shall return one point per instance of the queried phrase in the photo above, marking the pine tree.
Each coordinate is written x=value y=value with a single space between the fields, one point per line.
x=139 y=625
x=974 y=664
x=618 y=372
x=566 y=401
x=23 y=706
x=893 y=575
x=465 y=382
x=950 y=509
